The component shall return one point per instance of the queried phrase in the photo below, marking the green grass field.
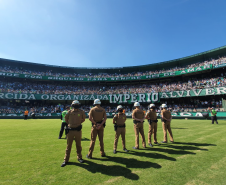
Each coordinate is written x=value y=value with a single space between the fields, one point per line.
x=31 y=153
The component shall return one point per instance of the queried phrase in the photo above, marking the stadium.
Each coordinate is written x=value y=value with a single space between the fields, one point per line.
x=187 y=85
x=32 y=154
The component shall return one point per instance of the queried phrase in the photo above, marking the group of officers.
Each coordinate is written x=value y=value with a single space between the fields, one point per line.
x=73 y=119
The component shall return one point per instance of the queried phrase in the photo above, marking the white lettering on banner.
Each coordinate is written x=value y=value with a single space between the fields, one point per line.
x=23 y=96
x=126 y=97
x=174 y=114
x=53 y=97
x=199 y=114
x=76 y=97
x=183 y=72
x=26 y=76
x=191 y=70
x=117 y=98
x=1 y=95
x=99 y=97
x=31 y=97
x=221 y=90
x=185 y=114
x=149 y=100
x=206 y=66
x=86 y=97
x=188 y=93
x=155 y=97
x=60 y=97
x=68 y=97
x=133 y=97
x=171 y=95
x=142 y=98
x=110 y=97
x=105 y=97
x=178 y=92
x=155 y=76
x=197 y=93
x=7 y=95
x=92 y=97
x=45 y=95
x=16 y=96
x=9 y=74
x=164 y=95
x=81 y=97
x=2 y=74
x=210 y=91
x=198 y=69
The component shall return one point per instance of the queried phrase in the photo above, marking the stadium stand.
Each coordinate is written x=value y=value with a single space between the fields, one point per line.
x=190 y=84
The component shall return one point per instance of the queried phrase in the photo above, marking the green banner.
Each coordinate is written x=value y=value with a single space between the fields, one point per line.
x=118 y=98
x=161 y=75
x=194 y=92
x=178 y=114
x=112 y=98
x=220 y=65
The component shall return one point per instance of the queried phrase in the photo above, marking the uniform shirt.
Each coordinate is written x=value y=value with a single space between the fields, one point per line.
x=166 y=114
x=138 y=113
x=26 y=112
x=63 y=115
x=151 y=114
x=213 y=112
x=97 y=113
x=119 y=119
x=75 y=118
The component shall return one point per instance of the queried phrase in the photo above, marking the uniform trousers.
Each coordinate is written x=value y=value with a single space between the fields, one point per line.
x=152 y=130
x=214 y=118
x=77 y=135
x=138 y=128
x=120 y=131
x=166 y=126
x=94 y=133
x=64 y=124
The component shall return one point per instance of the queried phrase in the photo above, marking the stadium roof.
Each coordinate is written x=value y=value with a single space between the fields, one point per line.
x=200 y=57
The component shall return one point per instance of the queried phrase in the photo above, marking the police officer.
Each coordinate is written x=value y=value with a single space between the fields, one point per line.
x=166 y=119
x=138 y=119
x=97 y=116
x=213 y=115
x=119 y=124
x=152 y=119
x=63 y=124
x=75 y=117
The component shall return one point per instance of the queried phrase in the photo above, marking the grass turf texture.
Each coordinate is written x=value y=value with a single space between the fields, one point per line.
x=31 y=153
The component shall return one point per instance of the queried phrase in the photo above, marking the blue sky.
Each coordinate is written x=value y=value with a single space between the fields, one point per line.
x=109 y=33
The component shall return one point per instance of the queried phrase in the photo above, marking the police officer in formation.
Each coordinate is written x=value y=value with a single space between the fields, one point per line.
x=74 y=118
x=152 y=119
x=97 y=116
x=63 y=124
x=166 y=120
x=119 y=124
x=138 y=119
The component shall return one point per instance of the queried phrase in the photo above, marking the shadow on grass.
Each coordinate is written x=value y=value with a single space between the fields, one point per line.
x=150 y=155
x=170 y=151
x=185 y=147
x=110 y=170
x=195 y=144
x=178 y=128
x=131 y=163
x=85 y=139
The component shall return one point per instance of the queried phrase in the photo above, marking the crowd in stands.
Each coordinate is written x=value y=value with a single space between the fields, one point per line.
x=10 y=69
x=148 y=87
x=193 y=106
